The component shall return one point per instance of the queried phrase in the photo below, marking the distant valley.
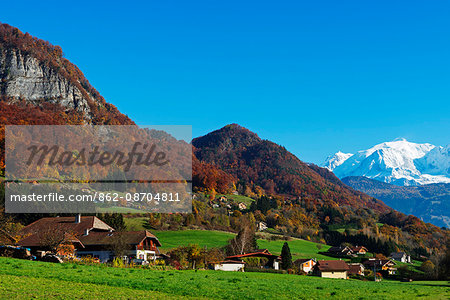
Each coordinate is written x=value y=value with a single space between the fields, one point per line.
x=430 y=202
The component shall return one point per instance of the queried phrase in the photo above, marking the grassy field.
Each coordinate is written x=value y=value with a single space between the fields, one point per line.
x=26 y=279
x=171 y=239
x=209 y=238
x=299 y=248
x=134 y=224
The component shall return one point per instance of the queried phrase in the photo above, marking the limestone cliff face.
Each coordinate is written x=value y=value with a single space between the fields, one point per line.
x=24 y=77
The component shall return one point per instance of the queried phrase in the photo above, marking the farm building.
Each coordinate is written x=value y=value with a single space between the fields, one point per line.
x=385 y=265
x=228 y=265
x=273 y=261
x=140 y=245
x=401 y=257
x=261 y=226
x=340 y=251
x=331 y=269
x=87 y=236
x=356 y=269
x=242 y=206
x=305 y=265
x=360 y=250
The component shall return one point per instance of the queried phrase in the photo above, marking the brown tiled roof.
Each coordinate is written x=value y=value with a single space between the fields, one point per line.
x=66 y=224
x=34 y=240
x=339 y=249
x=378 y=262
x=301 y=261
x=354 y=269
x=332 y=265
x=108 y=238
x=359 y=248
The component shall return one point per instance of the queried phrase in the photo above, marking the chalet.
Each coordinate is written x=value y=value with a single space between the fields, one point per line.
x=340 y=251
x=87 y=236
x=385 y=265
x=228 y=265
x=39 y=235
x=356 y=269
x=141 y=245
x=331 y=269
x=242 y=206
x=273 y=260
x=401 y=257
x=360 y=250
x=305 y=265
x=223 y=199
x=261 y=226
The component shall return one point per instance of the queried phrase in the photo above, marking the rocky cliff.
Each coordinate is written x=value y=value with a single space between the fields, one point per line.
x=24 y=77
x=33 y=71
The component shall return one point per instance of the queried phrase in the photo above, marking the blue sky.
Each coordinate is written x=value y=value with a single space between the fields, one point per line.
x=313 y=76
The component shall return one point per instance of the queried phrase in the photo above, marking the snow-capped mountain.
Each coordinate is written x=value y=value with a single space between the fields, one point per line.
x=398 y=162
x=336 y=160
x=435 y=162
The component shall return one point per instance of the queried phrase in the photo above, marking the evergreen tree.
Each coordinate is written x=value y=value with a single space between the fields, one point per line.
x=286 y=257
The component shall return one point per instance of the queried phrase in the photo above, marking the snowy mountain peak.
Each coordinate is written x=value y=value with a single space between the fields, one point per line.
x=399 y=162
x=336 y=160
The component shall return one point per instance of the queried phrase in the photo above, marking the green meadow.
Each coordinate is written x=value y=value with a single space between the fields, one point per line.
x=39 y=280
x=211 y=238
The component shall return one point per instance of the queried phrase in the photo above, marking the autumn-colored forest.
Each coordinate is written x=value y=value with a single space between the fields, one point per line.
x=289 y=195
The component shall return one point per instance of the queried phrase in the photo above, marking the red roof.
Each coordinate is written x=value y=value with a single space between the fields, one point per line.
x=253 y=254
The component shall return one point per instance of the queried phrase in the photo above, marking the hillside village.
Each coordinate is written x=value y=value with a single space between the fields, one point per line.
x=264 y=223
x=89 y=239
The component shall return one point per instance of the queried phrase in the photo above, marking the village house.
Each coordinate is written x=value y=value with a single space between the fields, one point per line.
x=242 y=206
x=331 y=269
x=360 y=250
x=306 y=265
x=87 y=236
x=378 y=265
x=140 y=245
x=273 y=261
x=261 y=226
x=356 y=269
x=401 y=257
x=223 y=199
x=340 y=251
x=228 y=265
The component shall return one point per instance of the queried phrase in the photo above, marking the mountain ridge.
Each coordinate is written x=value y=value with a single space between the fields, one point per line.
x=430 y=202
x=398 y=162
x=265 y=165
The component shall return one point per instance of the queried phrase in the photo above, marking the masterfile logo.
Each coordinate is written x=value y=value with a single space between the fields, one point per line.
x=97 y=168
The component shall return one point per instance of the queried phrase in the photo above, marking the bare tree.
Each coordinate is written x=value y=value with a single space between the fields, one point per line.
x=244 y=242
x=54 y=238
x=118 y=244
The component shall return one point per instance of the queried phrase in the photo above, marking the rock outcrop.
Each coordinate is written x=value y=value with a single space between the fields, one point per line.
x=24 y=77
